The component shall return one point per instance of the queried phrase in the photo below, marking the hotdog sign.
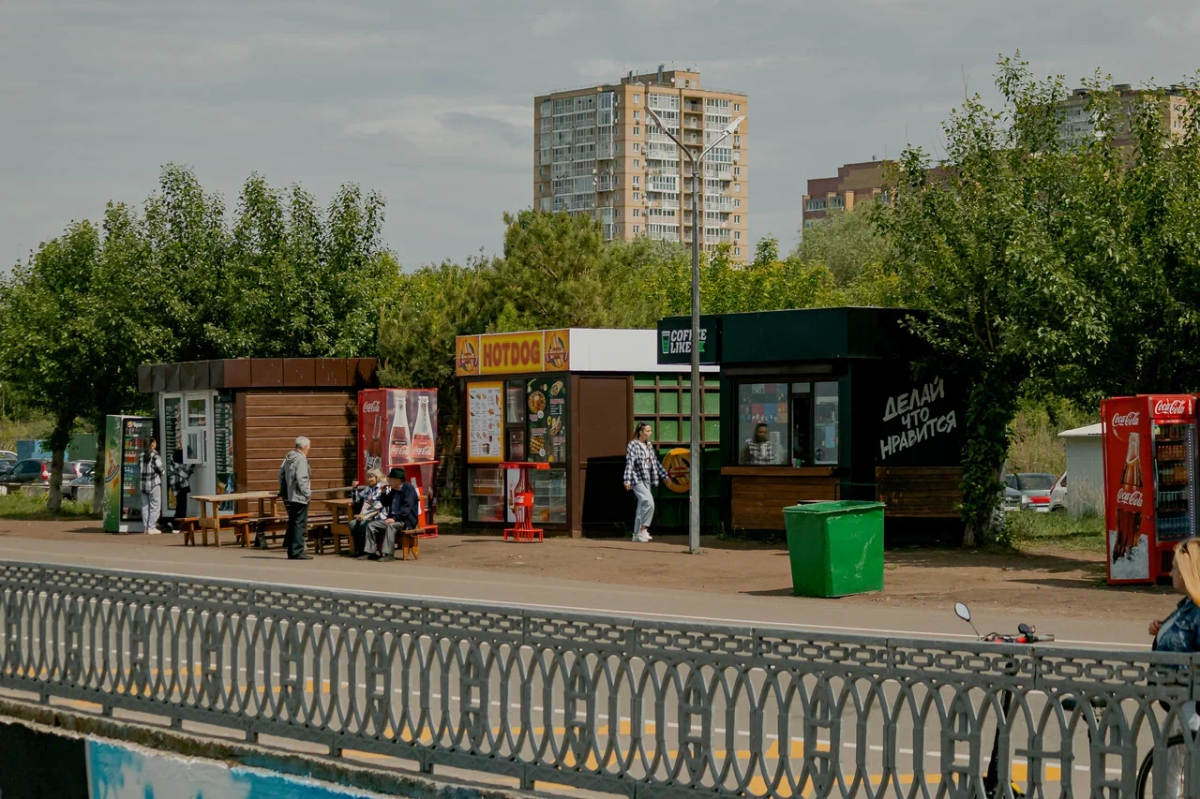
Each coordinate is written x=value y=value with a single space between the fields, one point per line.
x=512 y=353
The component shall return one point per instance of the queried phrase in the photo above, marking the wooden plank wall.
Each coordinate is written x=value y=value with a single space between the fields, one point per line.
x=757 y=503
x=274 y=419
x=921 y=491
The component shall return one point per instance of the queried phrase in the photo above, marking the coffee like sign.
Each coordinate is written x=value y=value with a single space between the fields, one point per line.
x=679 y=342
x=913 y=409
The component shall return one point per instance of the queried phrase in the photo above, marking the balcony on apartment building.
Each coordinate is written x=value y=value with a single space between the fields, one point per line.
x=696 y=123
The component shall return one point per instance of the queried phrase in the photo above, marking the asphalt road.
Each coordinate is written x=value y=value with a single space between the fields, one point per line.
x=414 y=579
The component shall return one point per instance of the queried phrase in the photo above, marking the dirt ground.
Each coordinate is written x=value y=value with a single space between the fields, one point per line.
x=1069 y=582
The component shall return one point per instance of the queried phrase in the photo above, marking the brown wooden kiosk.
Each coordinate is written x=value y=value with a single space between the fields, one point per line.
x=832 y=403
x=235 y=419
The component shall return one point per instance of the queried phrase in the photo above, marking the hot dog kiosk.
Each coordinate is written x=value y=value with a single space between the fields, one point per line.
x=1149 y=457
x=568 y=399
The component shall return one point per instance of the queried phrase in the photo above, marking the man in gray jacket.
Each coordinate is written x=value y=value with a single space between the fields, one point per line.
x=295 y=491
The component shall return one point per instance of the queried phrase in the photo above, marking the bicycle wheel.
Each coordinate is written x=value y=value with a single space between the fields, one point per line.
x=1145 y=778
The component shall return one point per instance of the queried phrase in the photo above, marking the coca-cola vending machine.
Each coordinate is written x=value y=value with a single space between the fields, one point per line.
x=1149 y=483
x=398 y=426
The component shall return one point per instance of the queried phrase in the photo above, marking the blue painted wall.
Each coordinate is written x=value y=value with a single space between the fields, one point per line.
x=120 y=772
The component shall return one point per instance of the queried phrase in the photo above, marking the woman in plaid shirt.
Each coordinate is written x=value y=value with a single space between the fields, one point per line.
x=642 y=473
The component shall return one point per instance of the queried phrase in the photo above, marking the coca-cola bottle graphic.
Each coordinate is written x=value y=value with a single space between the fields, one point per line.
x=1129 y=500
x=422 y=443
x=399 y=439
x=375 y=443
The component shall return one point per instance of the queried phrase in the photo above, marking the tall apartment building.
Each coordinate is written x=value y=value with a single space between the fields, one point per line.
x=853 y=183
x=597 y=152
x=1077 y=123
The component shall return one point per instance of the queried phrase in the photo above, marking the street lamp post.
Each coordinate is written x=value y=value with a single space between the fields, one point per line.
x=697 y=162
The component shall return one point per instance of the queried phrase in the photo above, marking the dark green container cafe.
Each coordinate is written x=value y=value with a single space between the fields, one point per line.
x=827 y=404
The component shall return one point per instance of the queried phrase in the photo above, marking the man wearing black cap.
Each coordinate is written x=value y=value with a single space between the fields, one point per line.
x=400 y=503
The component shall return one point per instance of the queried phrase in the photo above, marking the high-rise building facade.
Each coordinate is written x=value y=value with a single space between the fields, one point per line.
x=1077 y=122
x=597 y=152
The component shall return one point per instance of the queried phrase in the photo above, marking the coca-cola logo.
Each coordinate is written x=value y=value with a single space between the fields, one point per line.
x=1131 y=498
x=1126 y=419
x=371 y=407
x=1176 y=407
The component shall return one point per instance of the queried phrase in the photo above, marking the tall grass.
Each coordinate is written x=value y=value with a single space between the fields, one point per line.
x=1059 y=530
x=1035 y=445
x=23 y=506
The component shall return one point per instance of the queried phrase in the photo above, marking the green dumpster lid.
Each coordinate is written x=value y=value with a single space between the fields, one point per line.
x=833 y=506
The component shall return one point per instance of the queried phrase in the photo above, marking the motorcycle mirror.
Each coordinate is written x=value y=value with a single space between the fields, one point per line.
x=962 y=611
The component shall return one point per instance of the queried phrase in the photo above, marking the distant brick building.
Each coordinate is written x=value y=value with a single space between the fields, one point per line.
x=853 y=183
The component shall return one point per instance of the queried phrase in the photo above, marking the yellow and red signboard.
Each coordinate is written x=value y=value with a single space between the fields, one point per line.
x=512 y=353
x=466 y=355
x=556 y=351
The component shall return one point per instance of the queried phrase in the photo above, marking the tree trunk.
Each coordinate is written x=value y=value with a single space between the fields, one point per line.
x=59 y=439
x=991 y=407
x=101 y=428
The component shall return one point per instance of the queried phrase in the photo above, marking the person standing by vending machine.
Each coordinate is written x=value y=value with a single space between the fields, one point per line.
x=151 y=468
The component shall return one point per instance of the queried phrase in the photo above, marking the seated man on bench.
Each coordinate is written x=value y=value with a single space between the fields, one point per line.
x=400 y=503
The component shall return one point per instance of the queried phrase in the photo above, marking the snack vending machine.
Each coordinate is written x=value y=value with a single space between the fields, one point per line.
x=1149 y=454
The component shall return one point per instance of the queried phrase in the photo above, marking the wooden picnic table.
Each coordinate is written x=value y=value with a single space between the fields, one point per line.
x=211 y=518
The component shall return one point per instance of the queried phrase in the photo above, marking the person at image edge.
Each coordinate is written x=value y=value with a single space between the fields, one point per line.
x=296 y=491
x=642 y=474
x=1180 y=632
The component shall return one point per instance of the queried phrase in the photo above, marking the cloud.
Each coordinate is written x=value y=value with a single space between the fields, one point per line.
x=452 y=132
x=432 y=103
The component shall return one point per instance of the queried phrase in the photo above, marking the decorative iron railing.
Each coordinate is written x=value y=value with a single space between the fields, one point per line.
x=616 y=704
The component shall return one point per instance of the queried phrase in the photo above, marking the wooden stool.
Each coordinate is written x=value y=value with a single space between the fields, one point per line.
x=410 y=541
x=188 y=526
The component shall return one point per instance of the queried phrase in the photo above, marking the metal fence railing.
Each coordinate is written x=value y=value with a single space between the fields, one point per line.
x=615 y=704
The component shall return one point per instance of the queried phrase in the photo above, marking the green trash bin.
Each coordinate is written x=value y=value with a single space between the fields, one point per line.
x=836 y=548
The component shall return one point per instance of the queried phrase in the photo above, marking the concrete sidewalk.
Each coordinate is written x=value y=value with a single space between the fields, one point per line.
x=166 y=555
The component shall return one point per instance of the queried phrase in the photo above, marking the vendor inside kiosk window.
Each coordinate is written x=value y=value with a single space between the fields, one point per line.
x=788 y=424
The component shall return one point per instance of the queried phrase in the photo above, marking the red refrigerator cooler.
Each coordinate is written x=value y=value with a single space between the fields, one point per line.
x=398 y=427
x=1149 y=483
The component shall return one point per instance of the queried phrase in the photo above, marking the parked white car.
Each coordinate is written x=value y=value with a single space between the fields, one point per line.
x=1058 y=494
x=1035 y=488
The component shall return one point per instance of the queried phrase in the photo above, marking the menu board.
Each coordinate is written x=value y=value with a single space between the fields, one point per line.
x=485 y=422
x=546 y=401
x=172 y=438
x=223 y=441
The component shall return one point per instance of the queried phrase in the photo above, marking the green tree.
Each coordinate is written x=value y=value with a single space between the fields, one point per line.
x=48 y=346
x=558 y=271
x=299 y=282
x=983 y=246
x=187 y=241
x=847 y=243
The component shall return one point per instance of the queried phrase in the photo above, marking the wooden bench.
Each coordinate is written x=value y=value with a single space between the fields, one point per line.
x=188 y=526
x=921 y=492
x=410 y=541
x=227 y=523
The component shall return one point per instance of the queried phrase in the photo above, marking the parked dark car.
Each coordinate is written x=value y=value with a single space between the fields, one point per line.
x=36 y=471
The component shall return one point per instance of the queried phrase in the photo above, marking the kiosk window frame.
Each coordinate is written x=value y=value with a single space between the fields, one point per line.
x=801 y=417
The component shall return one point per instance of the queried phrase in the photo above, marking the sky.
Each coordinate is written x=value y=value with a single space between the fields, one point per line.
x=431 y=104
